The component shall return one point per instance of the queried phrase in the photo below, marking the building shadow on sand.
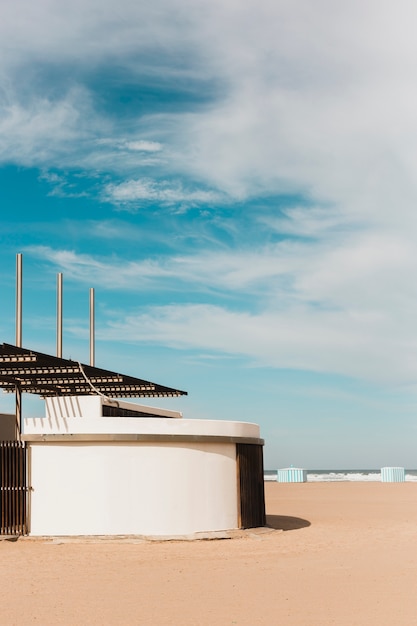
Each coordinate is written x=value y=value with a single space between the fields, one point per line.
x=284 y=522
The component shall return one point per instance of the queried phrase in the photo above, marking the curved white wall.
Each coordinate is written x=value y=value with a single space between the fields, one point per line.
x=113 y=488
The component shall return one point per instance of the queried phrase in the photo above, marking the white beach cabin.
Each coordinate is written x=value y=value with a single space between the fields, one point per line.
x=98 y=465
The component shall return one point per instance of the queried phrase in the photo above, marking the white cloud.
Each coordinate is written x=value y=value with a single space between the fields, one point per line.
x=317 y=99
x=36 y=132
x=115 y=274
x=348 y=310
x=237 y=271
x=84 y=31
x=143 y=146
x=356 y=272
x=164 y=192
x=132 y=145
x=297 y=338
x=66 y=132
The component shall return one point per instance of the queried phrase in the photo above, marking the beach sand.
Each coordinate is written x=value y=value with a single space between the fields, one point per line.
x=343 y=554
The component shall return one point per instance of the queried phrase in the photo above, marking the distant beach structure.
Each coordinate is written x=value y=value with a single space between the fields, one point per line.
x=292 y=475
x=392 y=475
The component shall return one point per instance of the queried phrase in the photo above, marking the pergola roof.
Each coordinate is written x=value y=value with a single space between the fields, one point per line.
x=45 y=375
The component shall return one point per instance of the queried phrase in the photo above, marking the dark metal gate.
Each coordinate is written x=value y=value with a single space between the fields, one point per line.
x=13 y=488
x=250 y=467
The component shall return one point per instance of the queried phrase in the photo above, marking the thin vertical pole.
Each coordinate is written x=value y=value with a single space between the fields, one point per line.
x=92 y=328
x=59 y=310
x=19 y=307
x=19 y=334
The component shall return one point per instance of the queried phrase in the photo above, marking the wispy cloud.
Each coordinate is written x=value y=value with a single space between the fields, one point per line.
x=293 y=305
x=110 y=274
x=316 y=101
x=39 y=131
x=293 y=109
x=129 y=145
x=143 y=146
x=61 y=186
x=313 y=221
x=132 y=191
x=237 y=271
x=355 y=270
x=298 y=338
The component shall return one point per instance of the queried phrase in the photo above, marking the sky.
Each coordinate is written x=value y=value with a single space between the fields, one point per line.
x=238 y=182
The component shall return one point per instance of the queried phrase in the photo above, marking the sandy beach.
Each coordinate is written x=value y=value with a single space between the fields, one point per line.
x=335 y=553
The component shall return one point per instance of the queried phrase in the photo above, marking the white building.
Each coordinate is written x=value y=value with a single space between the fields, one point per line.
x=98 y=465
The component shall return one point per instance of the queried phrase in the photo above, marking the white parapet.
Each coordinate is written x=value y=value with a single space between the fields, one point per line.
x=292 y=475
x=392 y=475
x=141 y=426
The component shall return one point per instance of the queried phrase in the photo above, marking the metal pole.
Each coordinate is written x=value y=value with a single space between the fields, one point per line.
x=19 y=300
x=59 y=316
x=92 y=328
x=19 y=317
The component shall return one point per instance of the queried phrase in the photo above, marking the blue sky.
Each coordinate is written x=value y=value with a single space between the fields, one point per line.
x=238 y=182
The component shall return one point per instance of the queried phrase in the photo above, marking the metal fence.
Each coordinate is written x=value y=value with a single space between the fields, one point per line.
x=13 y=488
x=251 y=483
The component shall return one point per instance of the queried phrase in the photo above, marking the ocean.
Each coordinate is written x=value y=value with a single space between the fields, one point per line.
x=339 y=475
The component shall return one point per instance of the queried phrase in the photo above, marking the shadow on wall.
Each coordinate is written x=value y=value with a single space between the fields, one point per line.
x=7 y=427
x=284 y=522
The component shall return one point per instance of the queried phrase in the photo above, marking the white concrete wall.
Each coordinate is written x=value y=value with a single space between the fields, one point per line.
x=72 y=406
x=112 y=488
x=90 y=406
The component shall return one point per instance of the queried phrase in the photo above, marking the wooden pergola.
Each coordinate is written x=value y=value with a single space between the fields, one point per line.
x=44 y=375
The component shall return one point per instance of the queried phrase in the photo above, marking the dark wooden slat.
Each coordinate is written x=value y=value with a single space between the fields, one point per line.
x=251 y=485
x=13 y=488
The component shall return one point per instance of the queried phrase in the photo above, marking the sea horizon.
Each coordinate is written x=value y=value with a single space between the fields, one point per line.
x=340 y=475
